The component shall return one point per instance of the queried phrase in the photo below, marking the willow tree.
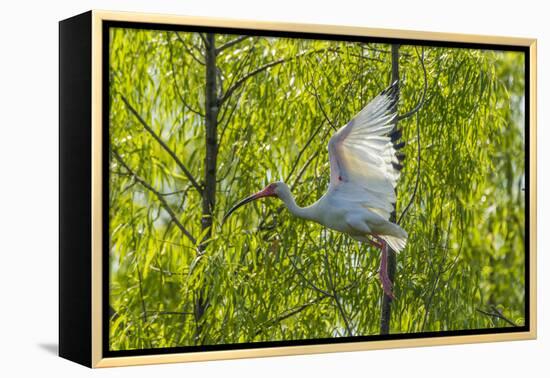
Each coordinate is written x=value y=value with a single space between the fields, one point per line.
x=199 y=120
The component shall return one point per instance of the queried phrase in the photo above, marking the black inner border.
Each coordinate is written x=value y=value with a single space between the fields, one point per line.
x=106 y=25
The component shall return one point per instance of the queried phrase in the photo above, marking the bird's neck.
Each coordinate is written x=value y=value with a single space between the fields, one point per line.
x=301 y=212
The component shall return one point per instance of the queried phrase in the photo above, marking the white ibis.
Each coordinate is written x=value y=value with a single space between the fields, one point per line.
x=364 y=168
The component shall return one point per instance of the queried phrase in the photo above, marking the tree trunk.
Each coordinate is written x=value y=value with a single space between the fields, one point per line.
x=385 y=313
x=210 y=162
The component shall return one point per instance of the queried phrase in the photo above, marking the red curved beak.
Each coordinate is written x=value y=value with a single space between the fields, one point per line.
x=266 y=192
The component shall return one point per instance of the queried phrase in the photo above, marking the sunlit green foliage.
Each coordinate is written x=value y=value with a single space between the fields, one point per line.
x=267 y=275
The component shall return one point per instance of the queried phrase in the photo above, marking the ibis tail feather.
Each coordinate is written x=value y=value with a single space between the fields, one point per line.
x=396 y=243
x=398 y=238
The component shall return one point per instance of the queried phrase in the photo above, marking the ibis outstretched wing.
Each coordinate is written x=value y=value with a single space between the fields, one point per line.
x=364 y=164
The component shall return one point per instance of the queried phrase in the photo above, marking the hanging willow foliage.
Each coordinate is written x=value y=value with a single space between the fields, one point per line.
x=266 y=276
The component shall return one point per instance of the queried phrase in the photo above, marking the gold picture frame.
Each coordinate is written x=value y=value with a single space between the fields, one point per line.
x=87 y=32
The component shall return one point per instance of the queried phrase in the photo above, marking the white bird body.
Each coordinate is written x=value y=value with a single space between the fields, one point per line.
x=335 y=211
x=364 y=169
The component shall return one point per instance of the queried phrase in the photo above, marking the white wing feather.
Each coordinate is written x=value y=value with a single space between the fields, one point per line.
x=363 y=162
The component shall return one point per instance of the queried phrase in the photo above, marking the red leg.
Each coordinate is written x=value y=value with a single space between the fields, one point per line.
x=385 y=280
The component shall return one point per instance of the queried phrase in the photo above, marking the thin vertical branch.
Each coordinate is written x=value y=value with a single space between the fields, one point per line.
x=417 y=182
x=418 y=158
x=423 y=98
x=385 y=311
x=210 y=166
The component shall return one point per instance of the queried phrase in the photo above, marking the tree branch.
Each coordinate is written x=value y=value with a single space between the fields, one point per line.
x=289 y=313
x=176 y=85
x=157 y=194
x=165 y=194
x=163 y=145
x=180 y=313
x=385 y=308
x=336 y=297
x=315 y=93
x=243 y=79
x=307 y=281
x=196 y=48
x=231 y=43
x=302 y=150
x=423 y=98
x=329 y=121
x=204 y=40
x=188 y=50
x=237 y=71
x=327 y=118
x=440 y=272
x=498 y=315
x=229 y=111
x=417 y=172
x=260 y=69
x=307 y=163
x=297 y=309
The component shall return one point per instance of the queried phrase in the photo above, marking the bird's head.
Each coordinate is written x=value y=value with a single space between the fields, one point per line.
x=275 y=189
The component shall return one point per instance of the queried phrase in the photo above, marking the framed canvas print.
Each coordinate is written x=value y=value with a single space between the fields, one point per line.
x=235 y=189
